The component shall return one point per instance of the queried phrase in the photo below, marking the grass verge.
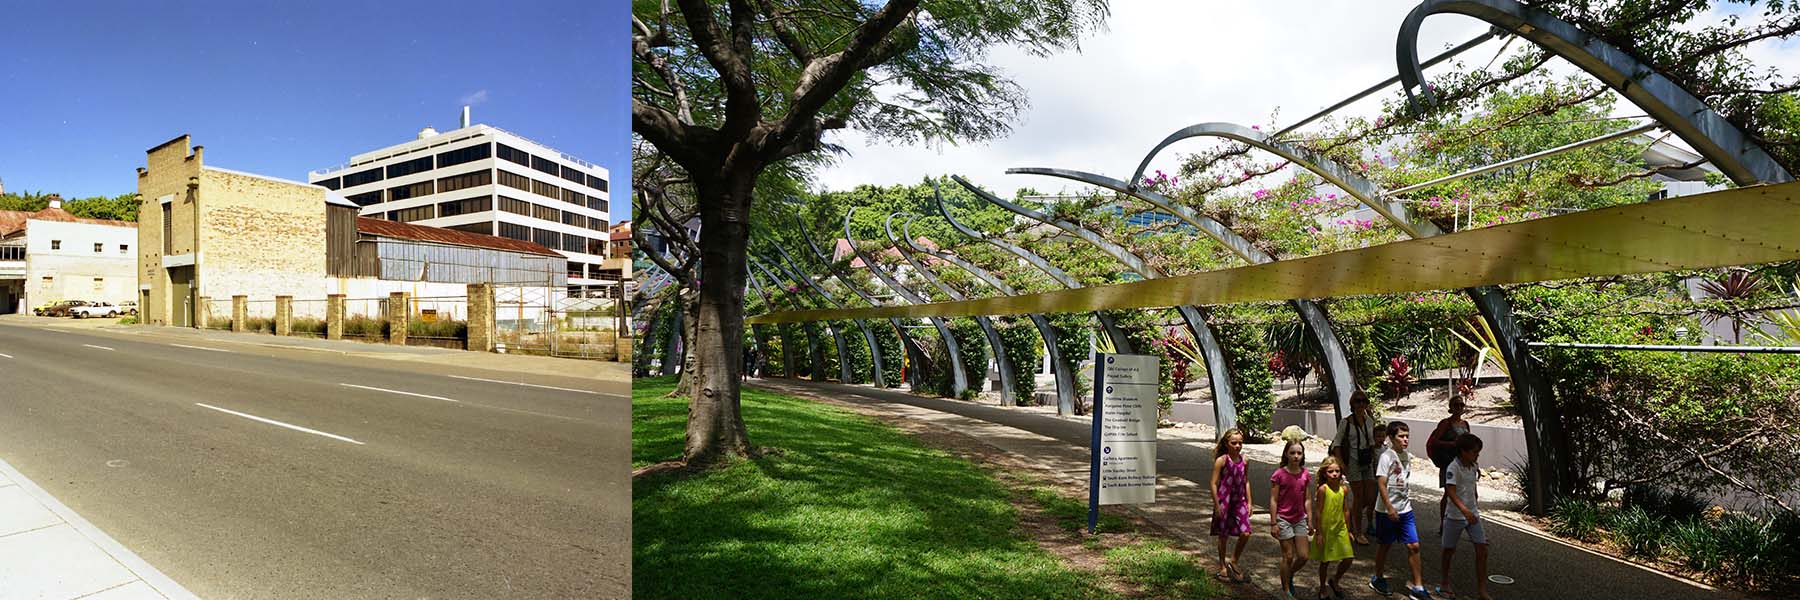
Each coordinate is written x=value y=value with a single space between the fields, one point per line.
x=847 y=507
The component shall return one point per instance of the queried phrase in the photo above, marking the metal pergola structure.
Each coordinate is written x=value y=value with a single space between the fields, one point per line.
x=1562 y=247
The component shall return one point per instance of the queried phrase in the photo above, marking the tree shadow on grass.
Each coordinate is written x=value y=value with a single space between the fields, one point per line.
x=849 y=508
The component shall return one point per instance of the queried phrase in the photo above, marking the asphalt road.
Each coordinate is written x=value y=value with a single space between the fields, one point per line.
x=414 y=481
x=1541 y=568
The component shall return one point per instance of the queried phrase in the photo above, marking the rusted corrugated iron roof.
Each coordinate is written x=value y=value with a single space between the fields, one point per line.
x=423 y=233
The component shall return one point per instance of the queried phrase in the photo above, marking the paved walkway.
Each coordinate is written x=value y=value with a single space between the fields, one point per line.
x=47 y=551
x=1541 y=565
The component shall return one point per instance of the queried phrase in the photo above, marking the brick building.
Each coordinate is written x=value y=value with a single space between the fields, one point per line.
x=215 y=233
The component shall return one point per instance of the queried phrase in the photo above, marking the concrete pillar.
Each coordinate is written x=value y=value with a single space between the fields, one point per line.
x=334 y=316
x=240 y=312
x=203 y=313
x=399 y=313
x=284 y=315
x=481 y=317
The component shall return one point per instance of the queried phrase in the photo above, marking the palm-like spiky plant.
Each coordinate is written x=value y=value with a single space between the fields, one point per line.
x=1739 y=285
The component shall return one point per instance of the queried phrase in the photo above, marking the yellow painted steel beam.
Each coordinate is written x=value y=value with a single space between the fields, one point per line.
x=1726 y=228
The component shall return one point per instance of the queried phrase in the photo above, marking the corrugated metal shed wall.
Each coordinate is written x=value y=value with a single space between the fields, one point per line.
x=398 y=260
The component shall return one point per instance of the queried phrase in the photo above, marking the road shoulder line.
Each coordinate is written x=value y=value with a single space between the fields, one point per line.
x=125 y=557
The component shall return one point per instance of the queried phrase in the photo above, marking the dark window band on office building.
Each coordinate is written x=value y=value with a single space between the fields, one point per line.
x=369 y=176
x=465 y=181
x=465 y=206
x=462 y=155
x=417 y=165
x=403 y=192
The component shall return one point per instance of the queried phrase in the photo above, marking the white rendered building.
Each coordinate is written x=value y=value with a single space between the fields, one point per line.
x=51 y=255
x=487 y=180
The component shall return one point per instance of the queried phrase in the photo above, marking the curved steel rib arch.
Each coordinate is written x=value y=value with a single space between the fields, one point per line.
x=787 y=354
x=908 y=345
x=1337 y=367
x=816 y=356
x=959 y=380
x=1065 y=381
x=1002 y=363
x=1120 y=341
x=863 y=324
x=837 y=335
x=1699 y=125
x=1545 y=444
x=1363 y=190
x=1217 y=372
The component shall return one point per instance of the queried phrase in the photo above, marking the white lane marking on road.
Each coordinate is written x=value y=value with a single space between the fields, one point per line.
x=548 y=387
x=199 y=347
x=279 y=423
x=100 y=347
x=5 y=356
x=364 y=387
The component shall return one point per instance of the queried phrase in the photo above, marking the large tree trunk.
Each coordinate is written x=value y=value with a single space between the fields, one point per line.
x=715 y=427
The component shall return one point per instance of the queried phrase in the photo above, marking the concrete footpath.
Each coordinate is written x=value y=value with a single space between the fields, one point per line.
x=1539 y=565
x=47 y=551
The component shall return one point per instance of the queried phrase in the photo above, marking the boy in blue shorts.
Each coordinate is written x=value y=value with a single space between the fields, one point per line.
x=1394 y=513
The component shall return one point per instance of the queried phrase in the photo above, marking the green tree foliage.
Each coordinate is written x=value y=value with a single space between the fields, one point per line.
x=726 y=91
x=117 y=208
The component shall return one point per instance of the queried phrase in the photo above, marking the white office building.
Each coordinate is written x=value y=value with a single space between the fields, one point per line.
x=487 y=180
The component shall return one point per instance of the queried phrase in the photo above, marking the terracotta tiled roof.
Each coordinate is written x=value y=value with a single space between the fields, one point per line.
x=408 y=231
x=60 y=215
x=12 y=220
x=843 y=249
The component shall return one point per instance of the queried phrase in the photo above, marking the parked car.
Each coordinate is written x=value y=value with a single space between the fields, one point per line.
x=62 y=309
x=94 y=309
x=128 y=307
x=41 y=308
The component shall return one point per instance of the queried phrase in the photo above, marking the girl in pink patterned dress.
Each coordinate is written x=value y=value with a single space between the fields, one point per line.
x=1231 y=502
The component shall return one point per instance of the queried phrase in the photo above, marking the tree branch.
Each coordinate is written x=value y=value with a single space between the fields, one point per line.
x=822 y=78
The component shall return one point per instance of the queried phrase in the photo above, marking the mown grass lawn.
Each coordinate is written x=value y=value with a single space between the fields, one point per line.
x=847 y=508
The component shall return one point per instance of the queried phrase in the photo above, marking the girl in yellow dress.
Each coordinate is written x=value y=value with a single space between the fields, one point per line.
x=1330 y=524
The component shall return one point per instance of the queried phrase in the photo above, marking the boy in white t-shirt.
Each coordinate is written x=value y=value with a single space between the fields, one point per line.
x=1462 y=515
x=1394 y=513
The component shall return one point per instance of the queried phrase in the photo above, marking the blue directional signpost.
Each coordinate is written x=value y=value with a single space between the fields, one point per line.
x=1122 y=469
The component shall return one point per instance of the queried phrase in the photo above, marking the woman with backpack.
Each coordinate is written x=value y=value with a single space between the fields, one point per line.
x=1441 y=447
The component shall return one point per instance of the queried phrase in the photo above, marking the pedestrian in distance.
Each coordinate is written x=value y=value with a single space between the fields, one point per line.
x=1465 y=476
x=1331 y=527
x=1368 y=508
x=1394 y=521
x=1231 y=502
x=1288 y=493
x=1354 y=446
x=1441 y=447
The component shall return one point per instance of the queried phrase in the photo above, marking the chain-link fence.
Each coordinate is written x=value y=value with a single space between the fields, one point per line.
x=259 y=316
x=440 y=321
x=524 y=319
x=308 y=319
x=365 y=319
x=218 y=313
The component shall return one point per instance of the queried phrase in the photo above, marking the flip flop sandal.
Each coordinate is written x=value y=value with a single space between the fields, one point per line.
x=1441 y=593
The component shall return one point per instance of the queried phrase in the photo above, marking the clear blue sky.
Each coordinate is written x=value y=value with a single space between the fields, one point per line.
x=282 y=88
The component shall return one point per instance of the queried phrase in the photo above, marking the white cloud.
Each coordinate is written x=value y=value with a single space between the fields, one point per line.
x=1161 y=66
x=474 y=98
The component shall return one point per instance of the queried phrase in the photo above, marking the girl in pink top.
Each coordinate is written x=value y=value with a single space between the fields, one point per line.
x=1288 y=502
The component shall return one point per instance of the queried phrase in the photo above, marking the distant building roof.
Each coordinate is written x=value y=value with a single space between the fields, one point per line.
x=12 y=221
x=842 y=249
x=408 y=231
